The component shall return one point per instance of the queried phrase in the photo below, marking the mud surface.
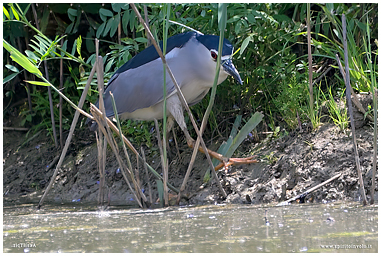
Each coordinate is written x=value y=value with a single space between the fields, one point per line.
x=289 y=165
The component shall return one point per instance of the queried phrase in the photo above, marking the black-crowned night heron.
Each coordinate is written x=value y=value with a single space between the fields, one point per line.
x=138 y=85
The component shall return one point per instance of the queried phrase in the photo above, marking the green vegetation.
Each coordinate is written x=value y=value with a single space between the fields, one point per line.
x=271 y=158
x=338 y=113
x=271 y=44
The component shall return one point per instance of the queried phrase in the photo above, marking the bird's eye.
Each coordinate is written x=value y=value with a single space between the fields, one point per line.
x=213 y=54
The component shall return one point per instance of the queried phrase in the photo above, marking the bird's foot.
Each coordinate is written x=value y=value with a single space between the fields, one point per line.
x=225 y=162
x=235 y=161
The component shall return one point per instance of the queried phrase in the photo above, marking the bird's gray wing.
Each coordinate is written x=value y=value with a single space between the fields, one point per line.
x=137 y=88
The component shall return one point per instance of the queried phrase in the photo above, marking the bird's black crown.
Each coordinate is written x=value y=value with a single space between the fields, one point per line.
x=212 y=42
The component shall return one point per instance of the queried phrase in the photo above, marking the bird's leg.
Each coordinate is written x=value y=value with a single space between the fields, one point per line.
x=175 y=140
x=170 y=122
x=191 y=143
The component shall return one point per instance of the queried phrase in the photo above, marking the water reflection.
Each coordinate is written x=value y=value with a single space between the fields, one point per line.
x=221 y=228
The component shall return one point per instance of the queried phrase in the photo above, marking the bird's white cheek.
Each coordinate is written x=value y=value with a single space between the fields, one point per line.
x=223 y=75
x=212 y=73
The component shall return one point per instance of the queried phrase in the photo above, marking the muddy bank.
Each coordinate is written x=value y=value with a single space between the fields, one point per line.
x=300 y=161
x=288 y=166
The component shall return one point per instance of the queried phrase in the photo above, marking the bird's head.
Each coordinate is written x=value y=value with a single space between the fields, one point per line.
x=211 y=43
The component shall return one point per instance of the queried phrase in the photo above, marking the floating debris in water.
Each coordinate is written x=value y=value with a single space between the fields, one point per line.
x=304 y=249
x=267 y=223
x=283 y=204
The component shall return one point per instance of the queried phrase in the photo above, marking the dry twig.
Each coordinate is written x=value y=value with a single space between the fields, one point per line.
x=120 y=162
x=147 y=176
x=348 y=94
x=68 y=139
x=309 y=190
x=164 y=164
x=355 y=99
x=49 y=89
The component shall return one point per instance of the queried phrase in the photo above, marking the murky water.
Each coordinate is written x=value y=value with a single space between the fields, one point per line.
x=340 y=227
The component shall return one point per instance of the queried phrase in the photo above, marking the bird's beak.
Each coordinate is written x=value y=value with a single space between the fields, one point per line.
x=231 y=70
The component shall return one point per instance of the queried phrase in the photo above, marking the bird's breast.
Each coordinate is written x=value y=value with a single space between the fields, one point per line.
x=192 y=90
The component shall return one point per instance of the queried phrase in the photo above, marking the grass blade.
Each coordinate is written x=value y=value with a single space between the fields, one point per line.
x=246 y=129
x=21 y=59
